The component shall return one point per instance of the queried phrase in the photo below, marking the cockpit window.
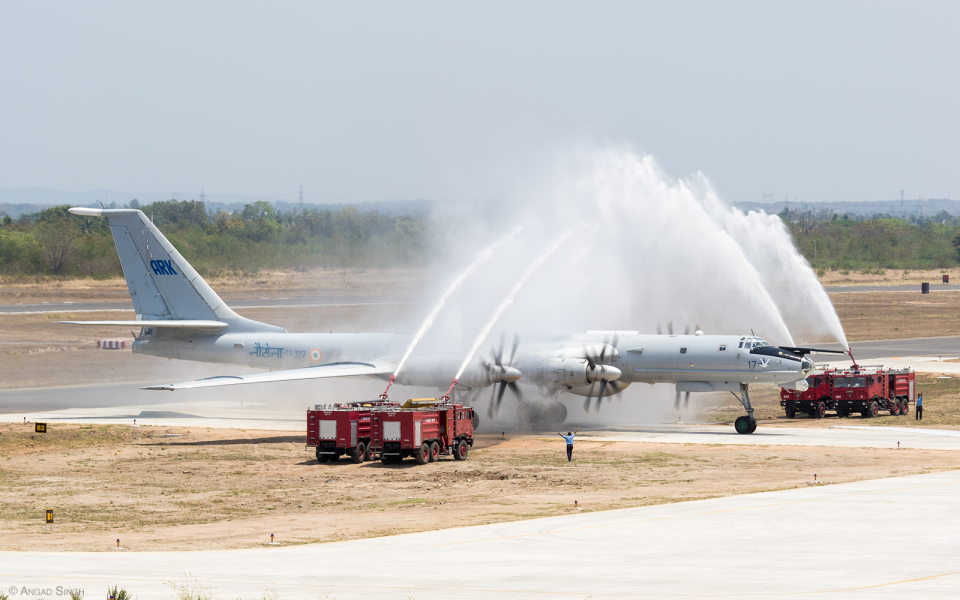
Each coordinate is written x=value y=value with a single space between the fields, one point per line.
x=741 y=345
x=850 y=382
x=723 y=347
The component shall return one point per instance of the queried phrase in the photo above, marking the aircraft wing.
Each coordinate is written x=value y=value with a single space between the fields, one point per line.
x=340 y=369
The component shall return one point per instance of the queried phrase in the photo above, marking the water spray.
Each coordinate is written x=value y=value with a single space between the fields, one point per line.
x=482 y=258
x=506 y=304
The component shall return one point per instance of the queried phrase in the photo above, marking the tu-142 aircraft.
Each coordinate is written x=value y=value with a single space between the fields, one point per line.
x=181 y=317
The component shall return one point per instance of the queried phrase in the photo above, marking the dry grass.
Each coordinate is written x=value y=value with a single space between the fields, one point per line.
x=889 y=277
x=898 y=315
x=230 y=488
x=314 y=282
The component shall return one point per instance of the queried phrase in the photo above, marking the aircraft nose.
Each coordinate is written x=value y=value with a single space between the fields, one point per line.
x=807 y=365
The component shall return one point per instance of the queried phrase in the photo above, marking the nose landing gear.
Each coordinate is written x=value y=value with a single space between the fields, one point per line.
x=746 y=423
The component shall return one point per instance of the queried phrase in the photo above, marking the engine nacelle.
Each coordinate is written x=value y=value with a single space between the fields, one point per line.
x=576 y=372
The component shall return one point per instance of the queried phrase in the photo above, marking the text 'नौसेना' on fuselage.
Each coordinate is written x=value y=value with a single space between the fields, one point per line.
x=181 y=317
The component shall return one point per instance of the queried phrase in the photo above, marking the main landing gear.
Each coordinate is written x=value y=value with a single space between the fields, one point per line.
x=746 y=423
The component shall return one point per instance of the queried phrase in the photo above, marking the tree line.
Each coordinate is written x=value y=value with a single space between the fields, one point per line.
x=879 y=242
x=55 y=242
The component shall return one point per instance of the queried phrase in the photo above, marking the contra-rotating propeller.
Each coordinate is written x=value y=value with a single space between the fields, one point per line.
x=506 y=375
x=603 y=372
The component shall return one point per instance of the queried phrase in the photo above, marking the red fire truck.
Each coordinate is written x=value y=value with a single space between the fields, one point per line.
x=866 y=391
x=423 y=428
x=338 y=429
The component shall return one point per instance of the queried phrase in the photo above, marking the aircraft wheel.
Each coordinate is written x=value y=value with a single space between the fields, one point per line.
x=527 y=413
x=753 y=424
x=743 y=425
x=554 y=414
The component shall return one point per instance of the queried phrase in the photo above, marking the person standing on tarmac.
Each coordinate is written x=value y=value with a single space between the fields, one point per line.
x=919 y=416
x=569 y=438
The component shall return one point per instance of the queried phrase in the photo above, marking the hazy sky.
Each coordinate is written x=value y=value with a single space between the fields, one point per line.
x=450 y=100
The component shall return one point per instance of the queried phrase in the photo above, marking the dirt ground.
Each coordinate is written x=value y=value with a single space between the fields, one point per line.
x=175 y=488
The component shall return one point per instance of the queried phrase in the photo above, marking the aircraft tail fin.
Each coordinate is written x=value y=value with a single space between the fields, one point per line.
x=162 y=284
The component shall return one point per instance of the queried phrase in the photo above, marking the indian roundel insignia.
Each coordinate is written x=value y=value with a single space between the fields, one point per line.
x=316 y=355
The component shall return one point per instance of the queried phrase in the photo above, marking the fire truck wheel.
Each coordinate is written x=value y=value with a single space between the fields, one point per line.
x=905 y=408
x=460 y=451
x=820 y=411
x=791 y=412
x=434 y=452
x=871 y=411
x=322 y=458
x=368 y=455
x=842 y=414
x=423 y=455
x=894 y=409
x=359 y=454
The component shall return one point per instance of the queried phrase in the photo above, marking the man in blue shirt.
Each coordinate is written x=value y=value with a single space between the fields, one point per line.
x=569 y=438
x=919 y=416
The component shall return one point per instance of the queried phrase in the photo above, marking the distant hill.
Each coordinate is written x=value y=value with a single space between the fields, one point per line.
x=18 y=201
x=931 y=206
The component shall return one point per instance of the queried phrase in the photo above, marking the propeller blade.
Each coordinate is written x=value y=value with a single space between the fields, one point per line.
x=513 y=351
x=503 y=388
x=686 y=329
x=686 y=399
x=503 y=340
x=670 y=327
x=676 y=402
x=490 y=411
x=586 y=405
x=603 y=387
x=516 y=390
x=590 y=362
x=659 y=329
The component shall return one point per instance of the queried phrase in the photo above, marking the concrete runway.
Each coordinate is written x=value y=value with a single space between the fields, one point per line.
x=847 y=433
x=890 y=538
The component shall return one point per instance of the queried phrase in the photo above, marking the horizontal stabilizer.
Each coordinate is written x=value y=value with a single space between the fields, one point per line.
x=176 y=323
x=341 y=369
